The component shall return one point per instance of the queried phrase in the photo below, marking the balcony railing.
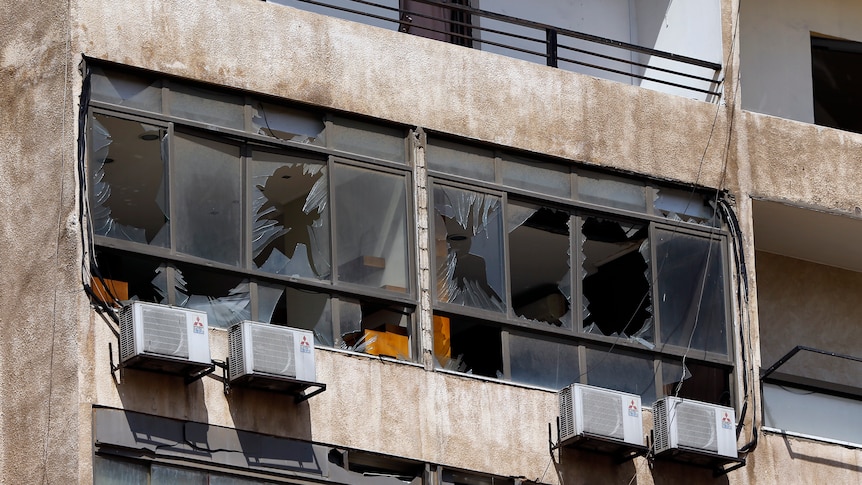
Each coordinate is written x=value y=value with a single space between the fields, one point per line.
x=535 y=41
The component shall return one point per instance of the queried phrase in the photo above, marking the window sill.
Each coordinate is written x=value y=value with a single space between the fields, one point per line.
x=819 y=439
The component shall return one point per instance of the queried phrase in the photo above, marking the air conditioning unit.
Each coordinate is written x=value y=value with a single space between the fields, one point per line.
x=694 y=431
x=270 y=356
x=600 y=419
x=164 y=339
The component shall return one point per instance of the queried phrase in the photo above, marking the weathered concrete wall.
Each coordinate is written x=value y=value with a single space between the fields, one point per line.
x=41 y=304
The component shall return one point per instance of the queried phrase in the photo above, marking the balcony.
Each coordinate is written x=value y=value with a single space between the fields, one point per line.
x=672 y=47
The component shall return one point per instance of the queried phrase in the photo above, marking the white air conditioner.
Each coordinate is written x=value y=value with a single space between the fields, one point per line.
x=688 y=430
x=594 y=413
x=164 y=338
x=270 y=356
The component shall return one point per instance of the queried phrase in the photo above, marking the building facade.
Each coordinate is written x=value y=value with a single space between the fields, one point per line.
x=470 y=205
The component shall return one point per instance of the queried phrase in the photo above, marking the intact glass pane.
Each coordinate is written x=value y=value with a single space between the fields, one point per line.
x=290 y=215
x=162 y=475
x=622 y=372
x=367 y=139
x=107 y=471
x=544 y=178
x=207 y=106
x=208 y=194
x=457 y=159
x=539 y=249
x=812 y=413
x=611 y=192
x=371 y=233
x=543 y=363
x=468 y=248
x=132 y=90
x=127 y=180
x=691 y=292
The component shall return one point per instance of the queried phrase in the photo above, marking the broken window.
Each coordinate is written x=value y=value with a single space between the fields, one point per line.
x=698 y=381
x=691 y=300
x=686 y=205
x=616 y=283
x=468 y=248
x=372 y=233
x=285 y=123
x=240 y=209
x=540 y=280
x=127 y=194
x=467 y=346
x=290 y=215
x=374 y=328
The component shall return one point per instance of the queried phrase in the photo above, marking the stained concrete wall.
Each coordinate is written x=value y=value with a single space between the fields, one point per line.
x=41 y=304
x=270 y=49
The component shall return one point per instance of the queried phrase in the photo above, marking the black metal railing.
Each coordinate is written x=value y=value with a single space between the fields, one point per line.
x=556 y=47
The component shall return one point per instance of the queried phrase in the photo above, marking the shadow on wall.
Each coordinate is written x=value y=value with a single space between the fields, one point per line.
x=820 y=460
x=269 y=412
x=162 y=394
x=581 y=467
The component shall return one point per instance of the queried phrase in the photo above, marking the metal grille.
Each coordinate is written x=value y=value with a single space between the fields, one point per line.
x=127 y=333
x=237 y=357
x=602 y=413
x=272 y=348
x=567 y=413
x=661 y=433
x=696 y=426
x=164 y=331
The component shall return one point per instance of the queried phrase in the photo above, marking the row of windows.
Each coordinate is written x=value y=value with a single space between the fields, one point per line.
x=541 y=273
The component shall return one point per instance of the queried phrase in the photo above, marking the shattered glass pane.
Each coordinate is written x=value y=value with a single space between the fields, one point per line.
x=544 y=178
x=543 y=363
x=208 y=193
x=616 y=281
x=691 y=292
x=469 y=248
x=290 y=217
x=372 y=228
x=127 y=277
x=457 y=159
x=135 y=91
x=375 y=328
x=286 y=123
x=611 y=192
x=622 y=372
x=539 y=248
x=699 y=382
x=225 y=298
x=206 y=106
x=368 y=139
x=297 y=308
x=473 y=348
x=127 y=173
x=687 y=206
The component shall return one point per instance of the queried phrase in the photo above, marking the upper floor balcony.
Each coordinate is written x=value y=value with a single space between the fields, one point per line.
x=672 y=47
